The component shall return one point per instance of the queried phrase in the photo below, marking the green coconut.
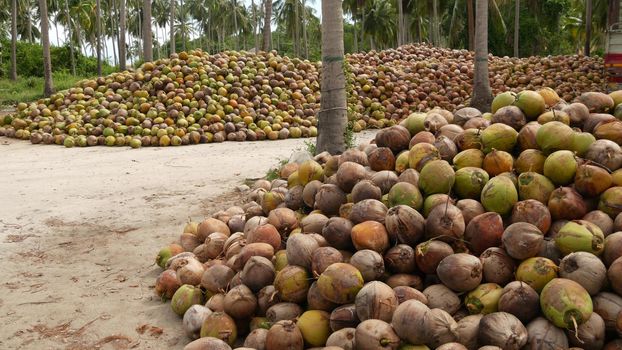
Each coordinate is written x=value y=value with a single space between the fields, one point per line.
x=308 y=171
x=469 y=139
x=499 y=136
x=501 y=100
x=611 y=201
x=580 y=236
x=536 y=272
x=402 y=162
x=531 y=103
x=405 y=193
x=532 y=185
x=437 y=176
x=530 y=160
x=469 y=158
x=560 y=167
x=220 y=325
x=499 y=195
x=292 y=284
x=315 y=327
x=186 y=296
x=566 y=303
x=432 y=201
x=422 y=153
x=581 y=142
x=414 y=122
x=470 y=182
x=554 y=136
x=340 y=283
x=483 y=299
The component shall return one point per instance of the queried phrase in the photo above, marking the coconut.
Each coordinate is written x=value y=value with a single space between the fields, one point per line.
x=315 y=301
x=189 y=271
x=280 y=260
x=254 y=222
x=408 y=322
x=590 y=335
x=503 y=330
x=446 y=147
x=188 y=242
x=365 y=189
x=600 y=219
x=216 y=302
x=530 y=160
x=585 y=269
x=510 y=115
x=353 y=155
x=411 y=176
x=401 y=162
x=499 y=195
x=461 y=272
x=264 y=234
x=396 y=138
x=266 y=298
x=329 y=198
x=240 y=302
x=613 y=248
x=532 y=185
x=484 y=231
x=368 y=210
x=219 y=325
x=170 y=251
x=284 y=335
x=207 y=343
x=483 y=299
x=566 y=203
x=405 y=224
x=596 y=102
x=581 y=142
x=300 y=248
x=308 y=171
x=340 y=283
x=271 y=200
x=314 y=326
x=611 y=201
x=470 y=181
x=400 y=259
x=404 y=279
x=554 y=115
x=421 y=137
x=533 y=212
x=369 y=263
x=422 y=153
x=348 y=174
x=470 y=208
x=497 y=162
x=406 y=194
x=497 y=266
x=313 y=223
x=256 y=339
x=468 y=158
x=337 y=232
x=343 y=338
x=614 y=273
x=404 y=293
x=343 y=317
x=536 y=272
x=384 y=180
x=498 y=136
x=375 y=334
x=522 y=240
x=381 y=158
x=608 y=306
x=167 y=284
x=292 y=284
x=503 y=99
x=560 y=167
x=606 y=153
x=544 y=335
x=370 y=235
x=438 y=296
x=526 y=138
x=450 y=131
x=469 y=139
x=565 y=303
x=283 y=311
x=284 y=220
x=309 y=192
x=253 y=249
x=211 y=225
x=442 y=327
x=520 y=300
x=445 y=222
x=554 y=136
x=437 y=176
x=429 y=254
x=432 y=201
x=257 y=273
x=580 y=235
x=467 y=329
x=376 y=300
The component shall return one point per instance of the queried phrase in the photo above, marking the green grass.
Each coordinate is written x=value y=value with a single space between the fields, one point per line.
x=28 y=89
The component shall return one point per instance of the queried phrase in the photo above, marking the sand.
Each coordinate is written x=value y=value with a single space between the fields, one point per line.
x=80 y=228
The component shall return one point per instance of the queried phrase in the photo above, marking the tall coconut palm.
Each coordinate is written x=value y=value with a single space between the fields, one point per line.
x=351 y=7
x=48 y=88
x=98 y=27
x=400 y=23
x=255 y=25
x=68 y=26
x=267 y=28
x=172 y=27
x=482 y=94
x=333 y=109
x=14 y=40
x=516 y=25
x=588 y=26
x=470 y=23
x=147 y=38
x=122 y=30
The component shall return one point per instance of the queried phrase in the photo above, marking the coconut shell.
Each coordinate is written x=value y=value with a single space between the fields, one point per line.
x=284 y=335
x=376 y=300
x=503 y=330
x=365 y=189
x=484 y=231
x=400 y=259
x=586 y=269
x=461 y=272
x=337 y=232
x=283 y=311
x=329 y=198
x=441 y=297
x=369 y=263
x=408 y=322
x=520 y=300
x=445 y=222
x=396 y=138
x=522 y=240
x=375 y=334
x=368 y=210
x=344 y=317
x=566 y=203
x=405 y=224
x=590 y=335
x=470 y=208
x=544 y=335
x=370 y=235
x=385 y=179
x=429 y=254
x=497 y=266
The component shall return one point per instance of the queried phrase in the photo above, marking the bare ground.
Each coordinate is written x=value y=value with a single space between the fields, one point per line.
x=80 y=227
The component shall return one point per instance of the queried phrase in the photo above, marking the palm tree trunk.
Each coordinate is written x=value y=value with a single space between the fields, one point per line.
x=588 y=26
x=516 y=25
x=400 y=23
x=122 y=54
x=613 y=13
x=482 y=95
x=29 y=22
x=296 y=38
x=48 y=88
x=267 y=21
x=471 y=24
x=235 y=26
x=14 y=40
x=304 y=29
x=113 y=34
x=172 y=27
x=332 y=115
x=356 y=39
x=98 y=27
x=147 y=38
x=182 y=11
x=255 y=25
x=437 y=24
x=70 y=38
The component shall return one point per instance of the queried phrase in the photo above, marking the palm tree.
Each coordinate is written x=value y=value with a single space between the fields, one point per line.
x=122 y=30
x=45 y=41
x=172 y=27
x=267 y=21
x=14 y=40
x=351 y=7
x=400 y=23
x=333 y=109
x=471 y=24
x=255 y=25
x=98 y=27
x=380 y=23
x=147 y=38
x=68 y=24
x=482 y=94
x=516 y=25
x=588 y=26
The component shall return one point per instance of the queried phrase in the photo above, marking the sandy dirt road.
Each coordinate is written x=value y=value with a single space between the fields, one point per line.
x=80 y=227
